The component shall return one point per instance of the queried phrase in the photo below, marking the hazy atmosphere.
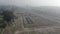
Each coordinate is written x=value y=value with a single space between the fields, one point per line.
x=29 y=16
x=31 y=2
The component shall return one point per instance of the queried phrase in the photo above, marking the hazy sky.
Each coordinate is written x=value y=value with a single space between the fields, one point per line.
x=31 y=2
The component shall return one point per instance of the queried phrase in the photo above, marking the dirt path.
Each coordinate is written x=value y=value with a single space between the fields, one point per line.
x=19 y=24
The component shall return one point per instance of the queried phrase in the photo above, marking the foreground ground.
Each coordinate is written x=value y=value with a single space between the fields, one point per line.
x=32 y=24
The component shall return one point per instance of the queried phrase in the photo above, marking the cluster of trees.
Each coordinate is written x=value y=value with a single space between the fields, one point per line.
x=6 y=12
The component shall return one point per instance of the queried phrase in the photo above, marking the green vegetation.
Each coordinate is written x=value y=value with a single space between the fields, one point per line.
x=1 y=30
x=1 y=18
